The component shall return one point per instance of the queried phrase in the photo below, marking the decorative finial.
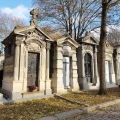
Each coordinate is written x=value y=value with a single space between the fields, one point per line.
x=34 y=14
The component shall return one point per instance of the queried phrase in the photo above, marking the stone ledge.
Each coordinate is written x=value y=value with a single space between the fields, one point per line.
x=69 y=114
x=76 y=112
x=48 y=118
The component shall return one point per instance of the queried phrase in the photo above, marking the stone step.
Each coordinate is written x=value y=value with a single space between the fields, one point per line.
x=32 y=94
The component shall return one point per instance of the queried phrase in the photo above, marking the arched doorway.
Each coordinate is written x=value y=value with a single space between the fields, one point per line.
x=87 y=65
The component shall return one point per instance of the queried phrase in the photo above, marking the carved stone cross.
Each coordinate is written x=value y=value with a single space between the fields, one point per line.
x=34 y=14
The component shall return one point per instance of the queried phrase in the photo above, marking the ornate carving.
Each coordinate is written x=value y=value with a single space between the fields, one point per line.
x=18 y=43
x=107 y=44
x=33 y=48
x=33 y=34
x=88 y=47
x=66 y=43
x=18 y=38
x=48 y=45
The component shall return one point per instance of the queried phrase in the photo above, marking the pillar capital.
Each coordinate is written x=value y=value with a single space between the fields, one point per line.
x=18 y=43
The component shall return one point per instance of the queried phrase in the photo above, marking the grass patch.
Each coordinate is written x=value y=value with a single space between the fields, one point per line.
x=92 y=98
x=31 y=110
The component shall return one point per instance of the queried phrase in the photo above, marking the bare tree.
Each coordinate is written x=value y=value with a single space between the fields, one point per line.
x=54 y=34
x=7 y=24
x=106 y=6
x=73 y=16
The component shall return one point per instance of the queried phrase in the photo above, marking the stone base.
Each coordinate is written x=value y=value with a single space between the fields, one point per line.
x=32 y=94
x=91 y=86
x=2 y=99
x=110 y=85
x=13 y=95
x=76 y=89
x=48 y=92
x=60 y=91
x=88 y=86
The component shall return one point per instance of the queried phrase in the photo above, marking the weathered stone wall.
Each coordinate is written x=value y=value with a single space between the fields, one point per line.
x=9 y=68
x=1 y=62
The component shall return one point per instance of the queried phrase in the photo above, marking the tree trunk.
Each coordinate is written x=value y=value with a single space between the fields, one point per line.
x=101 y=60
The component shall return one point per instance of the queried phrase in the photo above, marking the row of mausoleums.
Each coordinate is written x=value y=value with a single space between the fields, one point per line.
x=54 y=66
x=32 y=58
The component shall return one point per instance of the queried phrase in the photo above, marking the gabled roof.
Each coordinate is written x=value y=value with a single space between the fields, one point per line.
x=69 y=40
x=88 y=38
x=22 y=32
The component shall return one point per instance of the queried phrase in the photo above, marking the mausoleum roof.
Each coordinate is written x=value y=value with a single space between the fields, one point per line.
x=67 y=39
x=88 y=38
x=22 y=31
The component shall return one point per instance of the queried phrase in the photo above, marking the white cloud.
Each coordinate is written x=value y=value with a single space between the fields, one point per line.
x=20 y=11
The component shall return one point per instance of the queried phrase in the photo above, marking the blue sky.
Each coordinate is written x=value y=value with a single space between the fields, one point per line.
x=18 y=8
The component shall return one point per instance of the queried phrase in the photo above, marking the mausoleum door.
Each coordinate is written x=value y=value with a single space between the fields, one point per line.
x=33 y=64
x=87 y=65
x=66 y=71
x=107 y=69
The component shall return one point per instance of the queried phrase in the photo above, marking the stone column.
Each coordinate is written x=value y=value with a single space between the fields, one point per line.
x=57 y=76
x=25 y=64
x=39 y=69
x=21 y=69
x=96 y=79
x=42 y=70
x=47 y=81
x=112 y=74
x=47 y=64
x=16 y=64
x=83 y=81
x=116 y=70
x=92 y=69
x=74 y=80
x=110 y=65
x=83 y=67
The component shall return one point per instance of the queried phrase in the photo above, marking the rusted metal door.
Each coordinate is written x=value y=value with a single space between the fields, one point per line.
x=33 y=64
x=87 y=64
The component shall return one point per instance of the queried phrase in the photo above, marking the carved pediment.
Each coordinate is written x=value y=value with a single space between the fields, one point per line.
x=67 y=41
x=89 y=38
x=33 y=47
x=108 y=47
x=91 y=41
x=87 y=47
x=32 y=32
x=32 y=35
